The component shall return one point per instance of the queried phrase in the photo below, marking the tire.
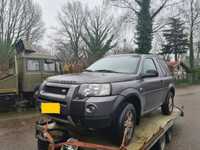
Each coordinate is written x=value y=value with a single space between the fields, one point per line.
x=168 y=105
x=118 y=127
x=42 y=145
x=169 y=135
x=161 y=144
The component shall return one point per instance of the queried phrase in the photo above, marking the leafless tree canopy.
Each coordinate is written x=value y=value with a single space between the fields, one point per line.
x=190 y=10
x=84 y=31
x=134 y=5
x=72 y=18
x=99 y=33
x=20 y=19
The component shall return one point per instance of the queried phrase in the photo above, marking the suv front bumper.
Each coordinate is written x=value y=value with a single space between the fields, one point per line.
x=93 y=112
x=90 y=112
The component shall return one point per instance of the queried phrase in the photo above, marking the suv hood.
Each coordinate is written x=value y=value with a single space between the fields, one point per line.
x=91 y=77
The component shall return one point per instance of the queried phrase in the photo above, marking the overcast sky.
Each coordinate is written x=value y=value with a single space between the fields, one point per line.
x=50 y=9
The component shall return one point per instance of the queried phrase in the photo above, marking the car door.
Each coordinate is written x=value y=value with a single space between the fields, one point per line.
x=151 y=87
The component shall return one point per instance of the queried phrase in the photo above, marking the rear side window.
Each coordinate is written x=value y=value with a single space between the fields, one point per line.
x=33 y=65
x=148 y=65
x=164 y=67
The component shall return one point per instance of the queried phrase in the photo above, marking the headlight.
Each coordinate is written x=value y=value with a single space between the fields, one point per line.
x=94 y=90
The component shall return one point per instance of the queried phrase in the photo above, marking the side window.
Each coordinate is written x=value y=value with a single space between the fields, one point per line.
x=148 y=65
x=165 y=67
x=33 y=65
x=49 y=66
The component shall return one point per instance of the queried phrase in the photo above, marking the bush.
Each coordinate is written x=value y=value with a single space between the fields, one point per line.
x=192 y=78
x=183 y=82
x=196 y=75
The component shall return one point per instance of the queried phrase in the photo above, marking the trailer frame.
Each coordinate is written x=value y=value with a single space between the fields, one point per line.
x=153 y=143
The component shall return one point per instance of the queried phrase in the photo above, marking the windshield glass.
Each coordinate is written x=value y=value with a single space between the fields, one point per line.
x=119 y=64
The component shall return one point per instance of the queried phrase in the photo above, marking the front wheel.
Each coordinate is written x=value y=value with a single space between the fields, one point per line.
x=125 y=122
x=168 y=105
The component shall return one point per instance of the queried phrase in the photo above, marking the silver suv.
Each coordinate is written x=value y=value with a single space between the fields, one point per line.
x=111 y=91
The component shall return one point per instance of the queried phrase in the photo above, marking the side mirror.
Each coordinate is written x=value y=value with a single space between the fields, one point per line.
x=150 y=73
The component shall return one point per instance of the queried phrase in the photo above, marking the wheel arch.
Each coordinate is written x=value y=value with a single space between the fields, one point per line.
x=172 y=89
x=136 y=102
x=133 y=97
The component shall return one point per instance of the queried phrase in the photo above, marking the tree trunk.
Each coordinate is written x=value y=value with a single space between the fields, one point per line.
x=198 y=50
x=191 y=53
x=144 y=28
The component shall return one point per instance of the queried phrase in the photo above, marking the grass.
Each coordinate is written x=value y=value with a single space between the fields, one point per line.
x=186 y=82
x=17 y=115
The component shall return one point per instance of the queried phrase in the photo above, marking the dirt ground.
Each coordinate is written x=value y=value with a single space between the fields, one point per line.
x=17 y=130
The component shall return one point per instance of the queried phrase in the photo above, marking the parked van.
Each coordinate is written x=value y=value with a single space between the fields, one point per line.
x=25 y=76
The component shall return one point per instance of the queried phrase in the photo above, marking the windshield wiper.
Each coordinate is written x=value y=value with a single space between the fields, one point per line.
x=104 y=70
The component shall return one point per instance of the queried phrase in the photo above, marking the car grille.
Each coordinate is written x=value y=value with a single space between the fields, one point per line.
x=56 y=90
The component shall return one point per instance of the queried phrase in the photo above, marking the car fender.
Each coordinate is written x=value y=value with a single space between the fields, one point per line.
x=122 y=97
x=167 y=90
x=171 y=86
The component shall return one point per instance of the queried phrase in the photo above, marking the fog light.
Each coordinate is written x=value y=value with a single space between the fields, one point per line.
x=91 y=108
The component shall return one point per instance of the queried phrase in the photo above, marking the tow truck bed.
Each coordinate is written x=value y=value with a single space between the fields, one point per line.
x=148 y=133
x=151 y=129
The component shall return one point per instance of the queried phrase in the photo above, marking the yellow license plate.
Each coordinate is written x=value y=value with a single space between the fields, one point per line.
x=50 y=108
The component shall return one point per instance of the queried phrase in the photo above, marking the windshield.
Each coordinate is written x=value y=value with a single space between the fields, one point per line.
x=119 y=64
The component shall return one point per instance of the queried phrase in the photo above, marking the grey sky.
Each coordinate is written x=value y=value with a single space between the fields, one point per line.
x=50 y=9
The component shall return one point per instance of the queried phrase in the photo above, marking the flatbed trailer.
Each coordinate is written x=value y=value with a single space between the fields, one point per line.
x=153 y=132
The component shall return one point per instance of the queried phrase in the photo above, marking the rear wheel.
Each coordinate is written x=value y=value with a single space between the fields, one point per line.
x=125 y=122
x=168 y=105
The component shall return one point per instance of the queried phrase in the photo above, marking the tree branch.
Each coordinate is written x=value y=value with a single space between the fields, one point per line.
x=159 y=9
x=126 y=4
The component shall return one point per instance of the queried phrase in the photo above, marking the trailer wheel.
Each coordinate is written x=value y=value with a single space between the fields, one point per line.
x=126 y=113
x=161 y=144
x=42 y=145
x=168 y=105
x=169 y=135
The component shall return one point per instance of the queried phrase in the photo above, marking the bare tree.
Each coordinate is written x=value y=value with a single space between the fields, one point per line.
x=34 y=24
x=71 y=20
x=20 y=19
x=146 y=11
x=190 y=9
x=99 y=33
x=64 y=50
x=198 y=49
